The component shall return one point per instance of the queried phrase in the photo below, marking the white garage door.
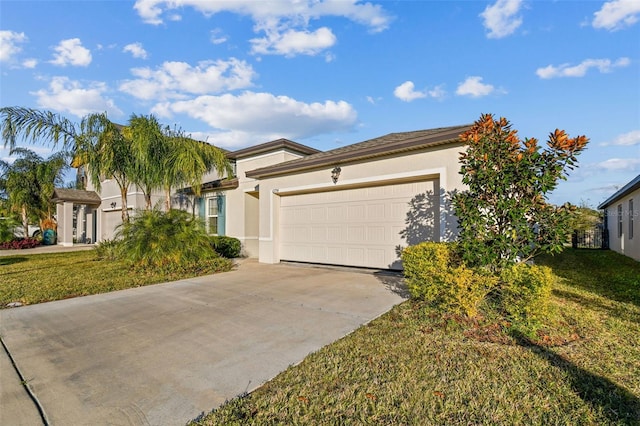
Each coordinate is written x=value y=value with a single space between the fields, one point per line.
x=355 y=227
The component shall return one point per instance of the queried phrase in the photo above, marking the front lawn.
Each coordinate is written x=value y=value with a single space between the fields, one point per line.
x=37 y=278
x=414 y=366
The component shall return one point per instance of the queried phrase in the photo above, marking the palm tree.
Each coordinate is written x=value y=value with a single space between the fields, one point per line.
x=28 y=183
x=97 y=143
x=188 y=162
x=150 y=148
x=104 y=150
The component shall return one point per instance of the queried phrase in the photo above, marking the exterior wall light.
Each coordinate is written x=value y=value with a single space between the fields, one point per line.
x=335 y=174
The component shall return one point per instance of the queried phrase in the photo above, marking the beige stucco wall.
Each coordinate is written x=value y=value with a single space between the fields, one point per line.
x=440 y=164
x=242 y=207
x=623 y=243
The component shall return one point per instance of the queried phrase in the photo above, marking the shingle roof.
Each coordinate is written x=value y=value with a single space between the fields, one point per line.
x=77 y=196
x=214 y=184
x=378 y=147
x=622 y=192
x=272 y=146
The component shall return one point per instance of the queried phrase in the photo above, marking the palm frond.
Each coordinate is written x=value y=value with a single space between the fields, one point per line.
x=35 y=126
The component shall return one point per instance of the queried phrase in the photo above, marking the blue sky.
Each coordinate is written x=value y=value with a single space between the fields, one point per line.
x=331 y=73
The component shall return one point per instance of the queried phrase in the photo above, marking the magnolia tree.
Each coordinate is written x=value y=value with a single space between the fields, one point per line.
x=504 y=216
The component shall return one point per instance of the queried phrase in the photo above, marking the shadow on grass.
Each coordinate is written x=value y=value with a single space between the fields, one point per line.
x=617 y=310
x=603 y=272
x=616 y=403
x=11 y=260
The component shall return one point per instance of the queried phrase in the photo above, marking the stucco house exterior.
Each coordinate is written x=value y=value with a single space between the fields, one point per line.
x=355 y=205
x=621 y=217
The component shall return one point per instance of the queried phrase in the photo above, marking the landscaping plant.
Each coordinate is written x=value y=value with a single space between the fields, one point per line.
x=435 y=273
x=504 y=216
x=228 y=247
x=168 y=241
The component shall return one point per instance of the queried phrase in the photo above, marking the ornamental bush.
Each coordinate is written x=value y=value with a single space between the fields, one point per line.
x=435 y=273
x=503 y=216
x=19 y=244
x=524 y=293
x=169 y=241
x=228 y=247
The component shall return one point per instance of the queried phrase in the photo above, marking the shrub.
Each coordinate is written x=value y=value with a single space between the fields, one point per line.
x=228 y=247
x=19 y=244
x=524 y=293
x=108 y=249
x=7 y=228
x=169 y=241
x=436 y=274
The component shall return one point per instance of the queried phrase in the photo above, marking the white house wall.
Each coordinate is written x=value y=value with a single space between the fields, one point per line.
x=242 y=205
x=624 y=243
x=440 y=164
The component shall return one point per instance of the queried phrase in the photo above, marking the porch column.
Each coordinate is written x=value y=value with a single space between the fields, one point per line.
x=65 y=223
x=81 y=224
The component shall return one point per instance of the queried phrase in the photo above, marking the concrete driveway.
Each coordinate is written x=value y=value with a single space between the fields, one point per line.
x=163 y=354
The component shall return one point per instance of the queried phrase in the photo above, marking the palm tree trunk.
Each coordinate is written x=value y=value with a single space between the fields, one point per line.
x=167 y=194
x=125 y=211
x=25 y=220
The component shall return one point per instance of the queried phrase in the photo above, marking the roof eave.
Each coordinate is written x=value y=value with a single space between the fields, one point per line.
x=393 y=148
x=628 y=188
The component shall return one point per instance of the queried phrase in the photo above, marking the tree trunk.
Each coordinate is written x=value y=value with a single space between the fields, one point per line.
x=125 y=211
x=167 y=192
x=25 y=221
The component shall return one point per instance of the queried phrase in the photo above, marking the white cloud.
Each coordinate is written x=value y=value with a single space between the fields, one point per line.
x=406 y=92
x=437 y=92
x=71 y=52
x=617 y=14
x=615 y=165
x=291 y=42
x=30 y=63
x=217 y=36
x=172 y=80
x=284 y=23
x=136 y=50
x=65 y=95
x=501 y=18
x=626 y=139
x=580 y=70
x=10 y=44
x=264 y=115
x=474 y=87
x=367 y=14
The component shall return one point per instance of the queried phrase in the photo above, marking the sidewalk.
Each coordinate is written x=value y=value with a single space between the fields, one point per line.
x=46 y=249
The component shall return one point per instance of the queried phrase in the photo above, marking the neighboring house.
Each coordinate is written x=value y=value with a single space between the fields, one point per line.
x=356 y=205
x=621 y=217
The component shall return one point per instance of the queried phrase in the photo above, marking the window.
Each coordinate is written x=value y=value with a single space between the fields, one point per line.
x=631 y=218
x=619 y=220
x=214 y=214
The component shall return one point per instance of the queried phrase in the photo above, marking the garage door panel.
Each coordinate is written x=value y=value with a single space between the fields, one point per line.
x=357 y=227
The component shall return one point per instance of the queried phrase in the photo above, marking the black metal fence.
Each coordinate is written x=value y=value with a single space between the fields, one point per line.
x=596 y=238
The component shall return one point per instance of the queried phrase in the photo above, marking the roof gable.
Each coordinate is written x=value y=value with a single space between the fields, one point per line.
x=276 y=145
x=77 y=196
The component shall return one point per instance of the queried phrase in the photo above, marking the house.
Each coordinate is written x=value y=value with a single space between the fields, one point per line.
x=356 y=205
x=621 y=217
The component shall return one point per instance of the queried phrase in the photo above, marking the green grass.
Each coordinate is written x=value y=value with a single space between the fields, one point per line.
x=37 y=278
x=414 y=366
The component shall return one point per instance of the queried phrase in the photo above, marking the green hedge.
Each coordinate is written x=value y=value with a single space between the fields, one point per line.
x=228 y=247
x=525 y=291
x=436 y=274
